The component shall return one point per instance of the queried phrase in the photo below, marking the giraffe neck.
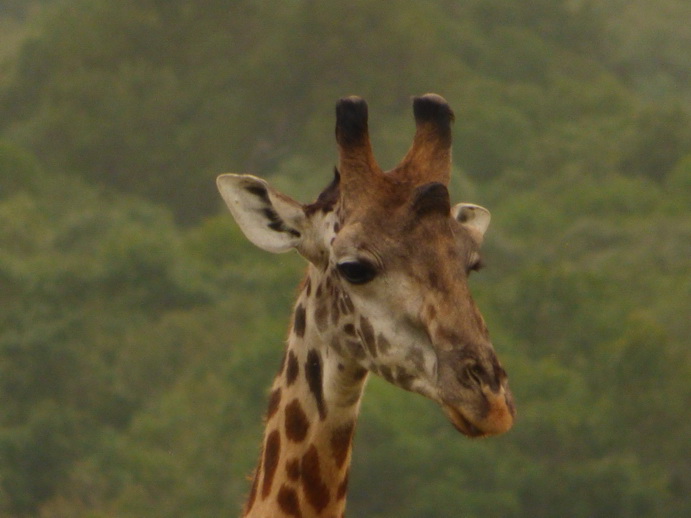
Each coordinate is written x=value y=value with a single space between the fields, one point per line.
x=313 y=409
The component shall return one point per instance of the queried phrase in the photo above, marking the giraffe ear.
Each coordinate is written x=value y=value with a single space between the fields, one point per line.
x=271 y=220
x=472 y=216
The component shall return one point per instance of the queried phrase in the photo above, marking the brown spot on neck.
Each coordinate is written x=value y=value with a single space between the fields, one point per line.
x=253 y=493
x=341 y=439
x=293 y=469
x=272 y=452
x=299 y=321
x=289 y=502
x=274 y=403
x=316 y=491
x=296 y=422
x=313 y=372
x=292 y=368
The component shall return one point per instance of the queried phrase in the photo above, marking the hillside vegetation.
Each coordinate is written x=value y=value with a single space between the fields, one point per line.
x=139 y=330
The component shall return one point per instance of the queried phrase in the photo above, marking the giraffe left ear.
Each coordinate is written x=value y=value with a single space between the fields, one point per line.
x=472 y=216
x=271 y=220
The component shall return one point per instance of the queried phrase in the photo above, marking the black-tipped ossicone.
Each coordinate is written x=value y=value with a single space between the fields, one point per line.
x=432 y=108
x=351 y=121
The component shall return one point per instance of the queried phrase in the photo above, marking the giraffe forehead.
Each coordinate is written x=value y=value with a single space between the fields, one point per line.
x=416 y=243
x=386 y=213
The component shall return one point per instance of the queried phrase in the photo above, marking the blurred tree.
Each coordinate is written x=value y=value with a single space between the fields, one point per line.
x=130 y=349
x=77 y=271
x=662 y=137
x=679 y=179
x=646 y=43
x=162 y=97
x=19 y=170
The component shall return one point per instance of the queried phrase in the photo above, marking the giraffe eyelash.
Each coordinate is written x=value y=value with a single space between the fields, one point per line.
x=357 y=271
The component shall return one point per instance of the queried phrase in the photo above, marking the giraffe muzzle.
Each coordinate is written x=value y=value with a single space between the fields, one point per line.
x=476 y=397
x=498 y=418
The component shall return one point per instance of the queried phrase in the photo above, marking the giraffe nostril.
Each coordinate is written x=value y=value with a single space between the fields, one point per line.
x=471 y=375
x=476 y=373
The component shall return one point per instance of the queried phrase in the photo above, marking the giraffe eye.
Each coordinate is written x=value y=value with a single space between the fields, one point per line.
x=357 y=272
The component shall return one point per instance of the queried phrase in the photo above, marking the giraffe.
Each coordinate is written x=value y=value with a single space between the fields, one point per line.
x=386 y=292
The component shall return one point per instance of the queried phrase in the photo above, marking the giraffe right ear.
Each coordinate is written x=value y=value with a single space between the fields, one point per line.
x=472 y=216
x=271 y=220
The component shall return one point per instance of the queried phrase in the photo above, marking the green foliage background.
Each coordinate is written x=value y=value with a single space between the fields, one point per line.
x=139 y=331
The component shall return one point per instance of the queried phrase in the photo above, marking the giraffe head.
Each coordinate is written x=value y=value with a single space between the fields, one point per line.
x=392 y=259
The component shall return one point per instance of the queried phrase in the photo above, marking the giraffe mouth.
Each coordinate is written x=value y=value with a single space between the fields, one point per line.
x=463 y=425
x=498 y=418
